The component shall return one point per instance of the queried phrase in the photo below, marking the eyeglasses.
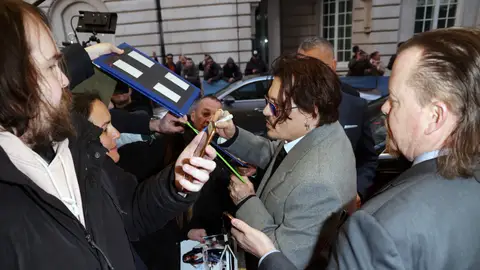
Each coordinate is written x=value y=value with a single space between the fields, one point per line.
x=274 y=107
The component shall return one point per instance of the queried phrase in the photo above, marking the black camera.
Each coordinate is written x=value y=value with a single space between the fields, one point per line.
x=97 y=22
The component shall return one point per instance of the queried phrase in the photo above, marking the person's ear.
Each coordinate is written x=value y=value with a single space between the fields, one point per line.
x=192 y=116
x=334 y=65
x=436 y=116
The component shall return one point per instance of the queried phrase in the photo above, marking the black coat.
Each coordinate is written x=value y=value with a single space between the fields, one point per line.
x=258 y=65
x=160 y=250
x=214 y=198
x=231 y=71
x=355 y=121
x=37 y=231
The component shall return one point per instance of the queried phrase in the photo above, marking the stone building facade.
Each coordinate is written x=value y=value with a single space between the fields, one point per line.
x=230 y=28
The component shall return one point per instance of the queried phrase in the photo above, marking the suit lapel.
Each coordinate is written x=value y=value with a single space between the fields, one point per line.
x=268 y=172
x=294 y=156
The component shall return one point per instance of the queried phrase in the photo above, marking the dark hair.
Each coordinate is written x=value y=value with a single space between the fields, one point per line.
x=310 y=84
x=121 y=88
x=82 y=103
x=373 y=54
x=22 y=104
x=449 y=71
x=400 y=44
x=355 y=49
x=168 y=55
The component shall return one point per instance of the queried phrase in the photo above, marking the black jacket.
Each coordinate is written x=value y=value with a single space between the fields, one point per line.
x=214 y=198
x=231 y=72
x=37 y=231
x=214 y=72
x=160 y=250
x=359 y=67
x=258 y=64
x=355 y=122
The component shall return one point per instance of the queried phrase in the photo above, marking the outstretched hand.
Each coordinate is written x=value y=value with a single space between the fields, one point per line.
x=100 y=49
x=168 y=124
x=199 y=168
x=251 y=240
x=225 y=129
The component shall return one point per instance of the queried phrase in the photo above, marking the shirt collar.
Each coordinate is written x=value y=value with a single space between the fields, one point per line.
x=288 y=146
x=426 y=156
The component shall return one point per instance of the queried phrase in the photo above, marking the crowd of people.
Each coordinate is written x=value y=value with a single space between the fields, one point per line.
x=212 y=71
x=72 y=198
x=363 y=64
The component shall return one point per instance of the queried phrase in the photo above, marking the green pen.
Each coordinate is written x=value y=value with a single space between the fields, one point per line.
x=220 y=156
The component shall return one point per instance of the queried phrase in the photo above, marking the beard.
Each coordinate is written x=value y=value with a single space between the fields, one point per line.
x=53 y=124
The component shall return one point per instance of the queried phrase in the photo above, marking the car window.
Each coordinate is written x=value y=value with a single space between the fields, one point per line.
x=255 y=90
x=379 y=132
x=377 y=123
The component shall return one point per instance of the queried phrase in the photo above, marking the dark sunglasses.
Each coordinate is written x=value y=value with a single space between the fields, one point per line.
x=274 y=107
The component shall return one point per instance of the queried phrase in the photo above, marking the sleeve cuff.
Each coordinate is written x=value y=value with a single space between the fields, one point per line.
x=266 y=255
x=244 y=201
x=229 y=142
x=187 y=198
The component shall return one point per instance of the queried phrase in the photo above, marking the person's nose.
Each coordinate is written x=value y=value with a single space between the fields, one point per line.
x=115 y=134
x=386 y=107
x=64 y=80
x=267 y=112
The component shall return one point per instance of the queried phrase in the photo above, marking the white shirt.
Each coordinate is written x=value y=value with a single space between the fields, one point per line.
x=426 y=156
x=289 y=146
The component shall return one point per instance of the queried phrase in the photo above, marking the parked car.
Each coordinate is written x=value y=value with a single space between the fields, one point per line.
x=245 y=99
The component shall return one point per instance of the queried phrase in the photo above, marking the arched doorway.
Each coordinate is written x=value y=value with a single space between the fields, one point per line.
x=61 y=12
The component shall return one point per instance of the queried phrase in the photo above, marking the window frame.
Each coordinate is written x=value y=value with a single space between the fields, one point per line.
x=435 y=17
x=335 y=44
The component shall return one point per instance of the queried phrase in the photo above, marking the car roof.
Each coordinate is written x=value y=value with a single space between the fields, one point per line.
x=246 y=80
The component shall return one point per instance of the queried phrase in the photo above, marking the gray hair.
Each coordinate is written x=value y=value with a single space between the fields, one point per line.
x=316 y=42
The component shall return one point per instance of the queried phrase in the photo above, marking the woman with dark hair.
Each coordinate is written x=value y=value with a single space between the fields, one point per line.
x=90 y=106
x=309 y=167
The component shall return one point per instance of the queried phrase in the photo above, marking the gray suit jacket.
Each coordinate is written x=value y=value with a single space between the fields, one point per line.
x=420 y=221
x=315 y=179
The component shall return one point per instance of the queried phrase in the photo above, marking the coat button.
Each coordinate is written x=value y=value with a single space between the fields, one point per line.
x=97 y=155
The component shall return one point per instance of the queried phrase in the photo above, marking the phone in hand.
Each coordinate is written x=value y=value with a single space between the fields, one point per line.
x=228 y=216
x=227 y=222
x=205 y=141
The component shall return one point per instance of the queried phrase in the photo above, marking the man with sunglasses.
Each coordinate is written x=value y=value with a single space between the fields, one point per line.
x=353 y=117
x=304 y=181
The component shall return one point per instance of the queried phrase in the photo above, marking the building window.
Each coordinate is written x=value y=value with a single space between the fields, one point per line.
x=337 y=27
x=433 y=14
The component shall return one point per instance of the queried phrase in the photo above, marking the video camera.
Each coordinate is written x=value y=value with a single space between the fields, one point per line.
x=95 y=23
